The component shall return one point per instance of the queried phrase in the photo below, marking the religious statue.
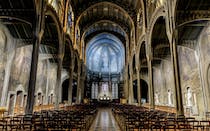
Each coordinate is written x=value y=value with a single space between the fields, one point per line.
x=169 y=98
x=189 y=97
x=157 y=98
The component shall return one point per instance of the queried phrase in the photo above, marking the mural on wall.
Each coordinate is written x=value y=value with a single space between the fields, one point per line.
x=169 y=82
x=158 y=85
x=41 y=81
x=205 y=55
x=21 y=67
x=164 y=83
x=190 y=81
x=2 y=58
x=52 y=78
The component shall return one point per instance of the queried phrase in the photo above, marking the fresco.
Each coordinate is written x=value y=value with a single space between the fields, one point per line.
x=21 y=67
x=41 y=80
x=190 y=80
x=105 y=53
x=2 y=59
x=163 y=83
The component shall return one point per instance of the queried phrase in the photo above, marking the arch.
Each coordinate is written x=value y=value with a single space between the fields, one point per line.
x=65 y=88
x=102 y=3
x=160 y=43
x=144 y=91
x=190 y=6
x=20 y=88
x=19 y=98
x=104 y=21
x=156 y=15
x=135 y=91
x=191 y=21
x=67 y=59
x=11 y=103
x=16 y=18
x=113 y=51
x=51 y=12
x=54 y=34
x=142 y=54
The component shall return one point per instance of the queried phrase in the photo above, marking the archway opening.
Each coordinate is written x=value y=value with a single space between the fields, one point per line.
x=18 y=102
x=162 y=67
x=105 y=58
x=144 y=91
x=65 y=92
x=11 y=104
x=74 y=91
x=135 y=91
x=48 y=62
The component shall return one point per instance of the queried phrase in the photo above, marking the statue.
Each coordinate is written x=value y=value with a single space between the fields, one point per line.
x=156 y=98
x=169 y=98
x=189 y=97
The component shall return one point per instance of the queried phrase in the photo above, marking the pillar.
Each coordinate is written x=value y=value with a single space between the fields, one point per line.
x=78 y=100
x=82 y=80
x=58 y=87
x=37 y=36
x=131 y=96
x=71 y=72
x=47 y=84
x=178 y=90
x=70 y=89
x=138 y=86
x=151 y=88
x=126 y=84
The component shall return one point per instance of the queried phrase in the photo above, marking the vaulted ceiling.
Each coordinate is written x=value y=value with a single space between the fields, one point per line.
x=113 y=16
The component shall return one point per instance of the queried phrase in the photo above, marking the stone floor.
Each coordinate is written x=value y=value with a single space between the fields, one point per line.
x=104 y=121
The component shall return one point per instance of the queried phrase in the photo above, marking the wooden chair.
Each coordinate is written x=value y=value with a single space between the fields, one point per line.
x=3 y=125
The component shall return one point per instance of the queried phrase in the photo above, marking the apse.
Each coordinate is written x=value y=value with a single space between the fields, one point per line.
x=105 y=54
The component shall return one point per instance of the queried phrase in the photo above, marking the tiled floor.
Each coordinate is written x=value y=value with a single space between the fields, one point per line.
x=104 y=121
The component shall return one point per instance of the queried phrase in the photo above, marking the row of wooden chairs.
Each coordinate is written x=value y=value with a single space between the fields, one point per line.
x=134 y=118
x=48 y=120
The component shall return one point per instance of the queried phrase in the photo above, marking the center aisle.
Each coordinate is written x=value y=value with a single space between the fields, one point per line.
x=104 y=121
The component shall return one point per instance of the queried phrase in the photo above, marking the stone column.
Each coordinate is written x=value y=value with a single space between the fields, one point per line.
x=37 y=36
x=71 y=72
x=78 y=100
x=47 y=84
x=126 y=85
x=82 y=80
x=83 y=88
x=151 y=88
x=131 y=97
x=70 y=85
x=58 y=87
x=178 y=90
x=117 y=90
x=138 y=86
